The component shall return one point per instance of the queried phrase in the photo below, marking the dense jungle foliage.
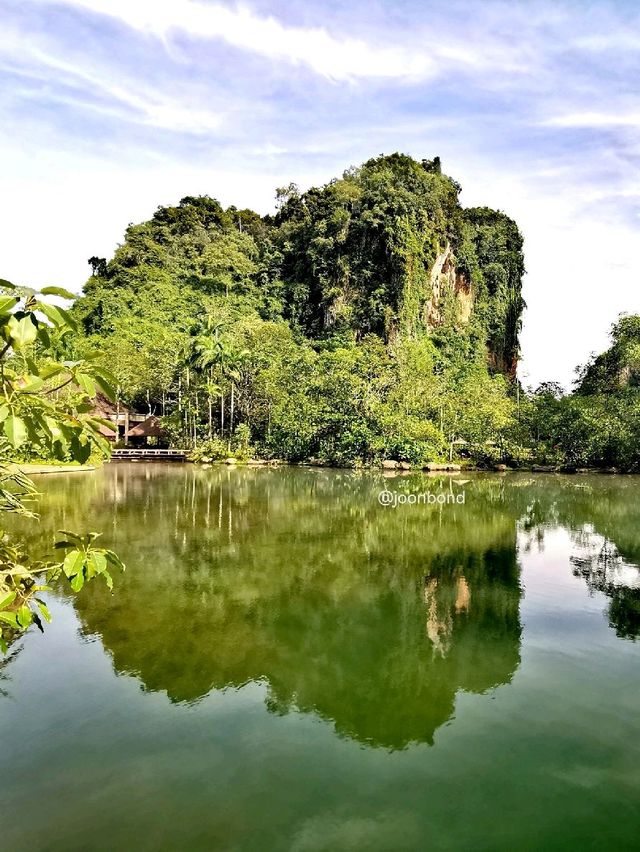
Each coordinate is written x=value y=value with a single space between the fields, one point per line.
x=598 y=425
x=372 y=318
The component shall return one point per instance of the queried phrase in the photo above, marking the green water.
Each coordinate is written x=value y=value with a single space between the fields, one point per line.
x=289 y=665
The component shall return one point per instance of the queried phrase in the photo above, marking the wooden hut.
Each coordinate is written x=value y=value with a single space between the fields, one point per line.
x=151 y=428
x=119 y=414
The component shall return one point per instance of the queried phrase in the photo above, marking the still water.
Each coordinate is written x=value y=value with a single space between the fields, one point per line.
x=287 y=664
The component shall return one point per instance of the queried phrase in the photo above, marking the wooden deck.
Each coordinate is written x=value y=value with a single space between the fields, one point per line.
x=147 y=454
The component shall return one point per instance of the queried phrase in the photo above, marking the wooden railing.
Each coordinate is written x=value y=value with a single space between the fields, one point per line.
x=147 y=454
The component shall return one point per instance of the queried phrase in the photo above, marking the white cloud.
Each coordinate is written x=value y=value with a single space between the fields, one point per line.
x=333 y=57
x=75 y=83
x=513 y=81
x=594 y=119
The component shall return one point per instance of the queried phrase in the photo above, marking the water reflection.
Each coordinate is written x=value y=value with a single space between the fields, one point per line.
x=372 y=618
x=605 y=570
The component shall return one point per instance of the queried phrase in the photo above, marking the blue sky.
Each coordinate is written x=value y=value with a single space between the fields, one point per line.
x=111 y=107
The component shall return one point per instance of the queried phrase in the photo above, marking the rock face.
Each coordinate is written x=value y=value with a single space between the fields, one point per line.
x=447 y=281
x=389 y=250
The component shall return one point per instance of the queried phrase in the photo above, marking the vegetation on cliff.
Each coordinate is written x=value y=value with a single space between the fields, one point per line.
x=373 y=317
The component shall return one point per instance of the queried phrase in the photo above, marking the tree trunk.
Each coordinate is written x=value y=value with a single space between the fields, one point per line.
x=231 y=413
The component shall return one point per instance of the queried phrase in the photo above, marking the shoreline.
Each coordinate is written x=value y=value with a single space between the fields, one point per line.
x=32 y=469
x=400 y=468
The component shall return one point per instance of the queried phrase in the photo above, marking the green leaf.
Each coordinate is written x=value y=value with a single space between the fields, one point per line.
x=25 y=616
x=114 y=560
x=33 y=367
x=43 y=334
x=4 y=411
x=11 y=619
x=7 y=303
x=49 y=370
x=31 y=384
x=54 y=428
x=7 y=600
x=98 y=561
x=57 y=291
x=57 y=315
x=106 y=387
x=52 y=313
x=22 y=331
x=68 y=319
x=86 y=383
x=77 y=582
x=7 y=284
x=73 y=563
x=71 y=536
x=16 y=431
x=44 y=609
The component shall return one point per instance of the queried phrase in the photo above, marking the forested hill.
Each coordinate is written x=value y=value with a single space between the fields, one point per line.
x=385 y=249
x=383 y=263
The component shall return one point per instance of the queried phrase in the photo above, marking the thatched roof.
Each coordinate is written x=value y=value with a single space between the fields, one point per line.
x=103 y=407
x=149 y=428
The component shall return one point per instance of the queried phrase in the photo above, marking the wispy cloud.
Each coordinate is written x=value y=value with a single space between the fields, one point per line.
x=110 y=107
x=594 y=119
x=91 y=88
x=335 y=57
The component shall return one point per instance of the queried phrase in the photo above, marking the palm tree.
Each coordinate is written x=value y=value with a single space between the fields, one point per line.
x=209 y=351
x=232 y=370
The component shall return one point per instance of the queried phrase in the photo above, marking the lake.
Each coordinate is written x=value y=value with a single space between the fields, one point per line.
x=287 y=664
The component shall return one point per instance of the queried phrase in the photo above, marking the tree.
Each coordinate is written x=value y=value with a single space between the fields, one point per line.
x=47 y=403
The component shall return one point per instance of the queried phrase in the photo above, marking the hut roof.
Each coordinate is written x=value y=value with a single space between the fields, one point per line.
x=149 y=428
x=103 y=407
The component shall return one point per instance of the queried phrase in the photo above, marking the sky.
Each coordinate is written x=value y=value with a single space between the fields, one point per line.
x=109 y=108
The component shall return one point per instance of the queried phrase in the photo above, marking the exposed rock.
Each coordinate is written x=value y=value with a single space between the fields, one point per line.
x=442 y=466
x=445 y=278
x=231 y=461
x=389 y=464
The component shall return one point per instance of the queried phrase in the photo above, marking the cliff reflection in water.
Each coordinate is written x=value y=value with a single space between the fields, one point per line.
x=370 y=617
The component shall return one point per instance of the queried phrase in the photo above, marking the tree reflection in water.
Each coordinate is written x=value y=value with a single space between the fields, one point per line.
x=370 y=617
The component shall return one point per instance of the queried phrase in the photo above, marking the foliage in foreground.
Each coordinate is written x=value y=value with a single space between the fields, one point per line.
x=47 y=404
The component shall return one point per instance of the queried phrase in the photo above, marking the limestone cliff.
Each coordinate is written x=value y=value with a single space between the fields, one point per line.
x=389 y=250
